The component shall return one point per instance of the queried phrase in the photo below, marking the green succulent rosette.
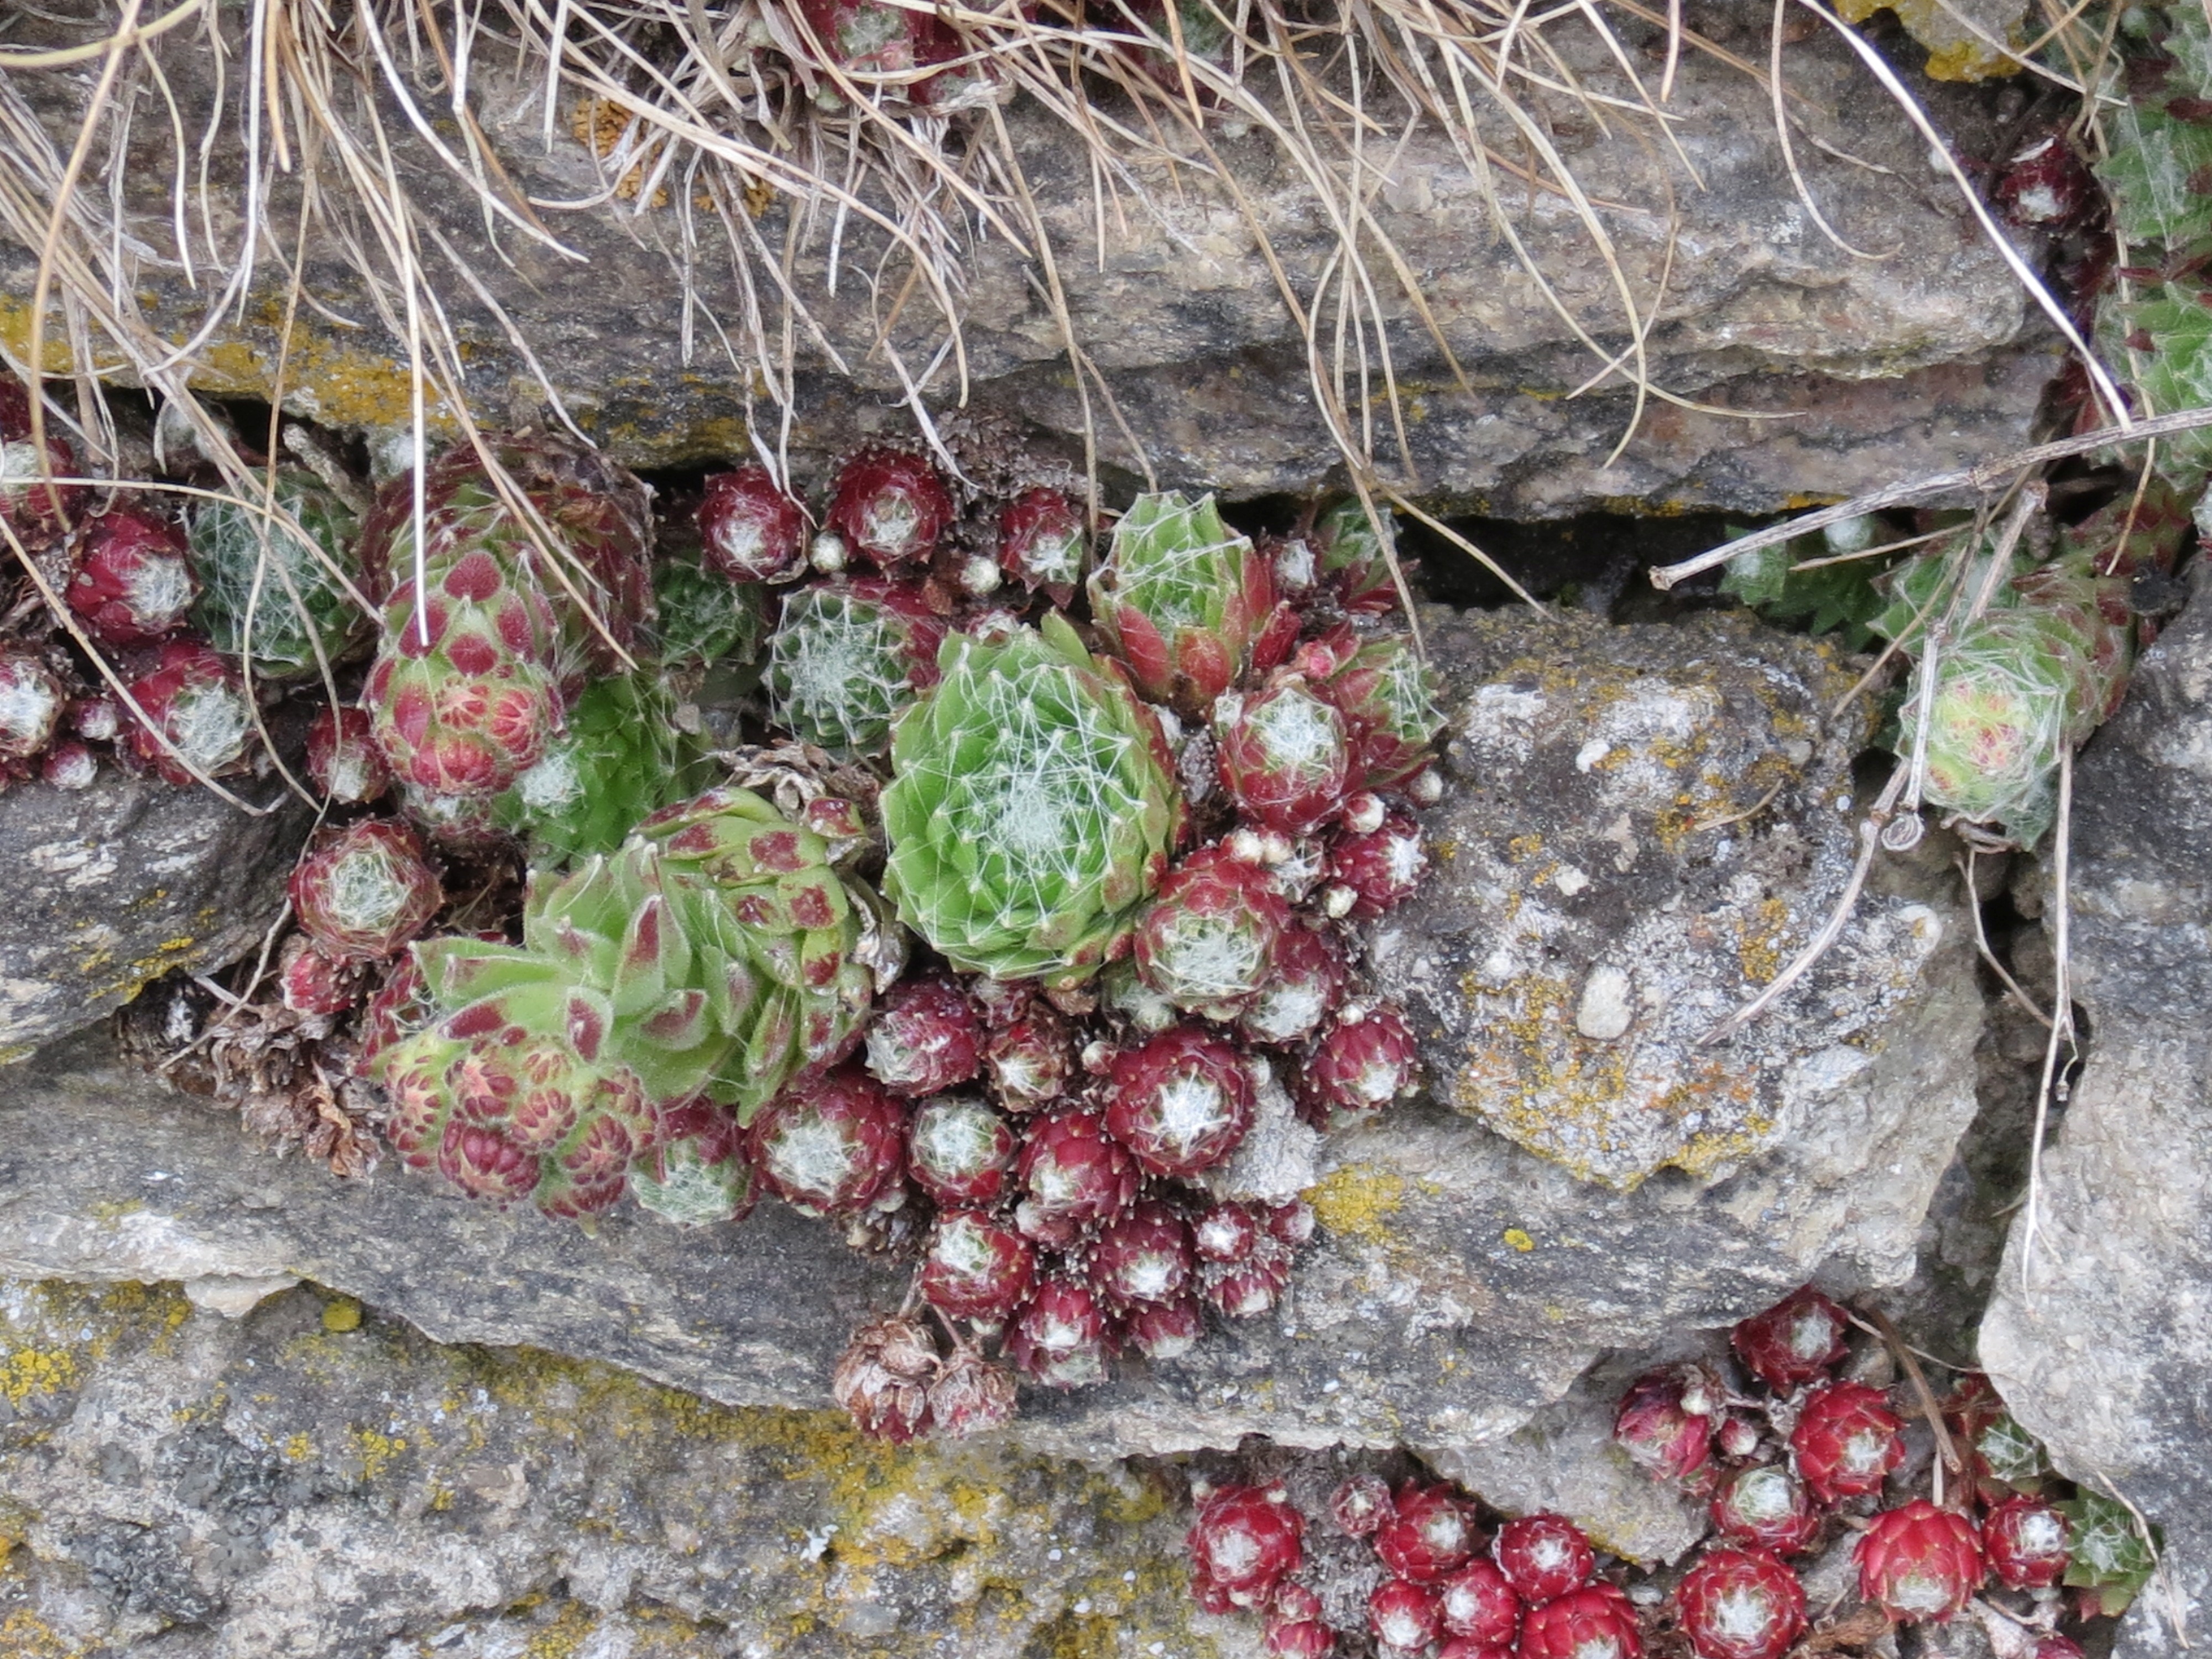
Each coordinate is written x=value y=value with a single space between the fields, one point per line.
x=622 y=758
x=712 y=955
x=1180 y=600
x=704 y=617
x=1032 y=807
x=276 y=591
x=846 y=658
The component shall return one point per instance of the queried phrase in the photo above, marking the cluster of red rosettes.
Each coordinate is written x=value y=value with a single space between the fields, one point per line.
x=1438 y=1585
x=1799 y=1455
x=1057 y=1157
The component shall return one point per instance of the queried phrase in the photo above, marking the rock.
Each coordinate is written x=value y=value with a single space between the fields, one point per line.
x=107 y=889
x=1457 y=1285
x=2099 y=1335
x=1848 y=372
x=303 y=1483
x=1647 y=830
x=1563 y=1460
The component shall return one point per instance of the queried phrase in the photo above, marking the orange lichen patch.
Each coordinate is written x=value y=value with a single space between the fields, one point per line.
x=1354 y=1202
x=599 y=124
x=1760 y=936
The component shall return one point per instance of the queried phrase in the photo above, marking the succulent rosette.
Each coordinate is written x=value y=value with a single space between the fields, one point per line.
x=1353 y=561
x=2025 y=1540
x=476 y=668
x=1044 y=545
x=1741 y=1604
x=1377 y=871
x=1245 y=1542
x=1207 y=940
x=1074 y=1177
x=847 y=657
x=1917 y=1562
x=831 y=1144
x=889 y=505
x=32 y=704
x=620 y=757
x=883 y=1379
x=1767 y=1506
x=1143 y=1257
x=712 y=954
x=1365 y=1060
x=1429 y=1535
x=1284 y=755
x=925 y=1037
x=1404 y=1616
x=1162 y=1330
x=974 y=1268
x=1658 y=1429
x=1058 y=1337
x=1305 y=986
x=1846 y=1441
x=1181 y=599
x=1480 y=1606
x=35 y=510
x=342 y=757
x=363 y=891
x=1594 y=1622
x=959 y=1151
x=1543 y=1556
x=1181 y=1101
x=697 y=1175
x=750 y=530
x=195 y=719
x=1388 y=696
x=1032 y=809
x=1798 y=1338
x=280 y=589
x=312 y=981
x=701 y=618
x=132 y=583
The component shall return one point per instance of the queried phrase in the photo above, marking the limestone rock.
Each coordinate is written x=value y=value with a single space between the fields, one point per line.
x=1845 y=373
x=109 y=888
x=2099 y=1336
x=306 y=1483
x=1649 y=824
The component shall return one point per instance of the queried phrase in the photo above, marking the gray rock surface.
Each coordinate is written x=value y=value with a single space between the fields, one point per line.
x=105 y=889
x=1459 y=1283
x=1853 y=371
x=2099 y=1335
x=1650 y=823
x=305 y=1484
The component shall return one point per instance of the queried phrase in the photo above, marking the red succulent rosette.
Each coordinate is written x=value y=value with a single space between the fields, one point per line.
x=1481 y=1606
x=1594 y=1622
x=1406 y=1617
x=960 y=1151
x=133 y=583
x=1543 y=1556
x=342 y=757
x=1365 y=1060
x=972 y=1267
x=2026 y=1541
x=1429 y=1535
x=1059 y=1335
x=36 y=511
x=1305 y=988
x=311 y=980
x=1847 y=1440
x=1656 y=1428
x=363 y=891
x=1284 y=755
x=1030 y=1057
x=1741 y=1604
x=1245 y=1542
x=1162 y=1330
x=1075 y=1176
x=750 y=530
x=1143 y=1257
x=925 y=1037
x=1798 y=1338
x=1768 y=1506
x=830 y=1145
x=1917 y=1562
x=1378 y=871
x=888 y=505
x=1207 y=940
x=970 y=1396
x=32 y=704
x=1181 y=1101
x=194 y=700
x=1360 y=1506
x=1044 y=544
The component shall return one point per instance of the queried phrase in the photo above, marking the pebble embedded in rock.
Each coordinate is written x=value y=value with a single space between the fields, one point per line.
x=1608 y=1008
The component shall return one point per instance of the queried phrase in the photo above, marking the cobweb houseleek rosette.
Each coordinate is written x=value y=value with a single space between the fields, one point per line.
x=1032 y=807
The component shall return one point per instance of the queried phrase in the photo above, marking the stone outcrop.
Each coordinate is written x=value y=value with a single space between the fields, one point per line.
x=1793 y=369
x=2099 y=1335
